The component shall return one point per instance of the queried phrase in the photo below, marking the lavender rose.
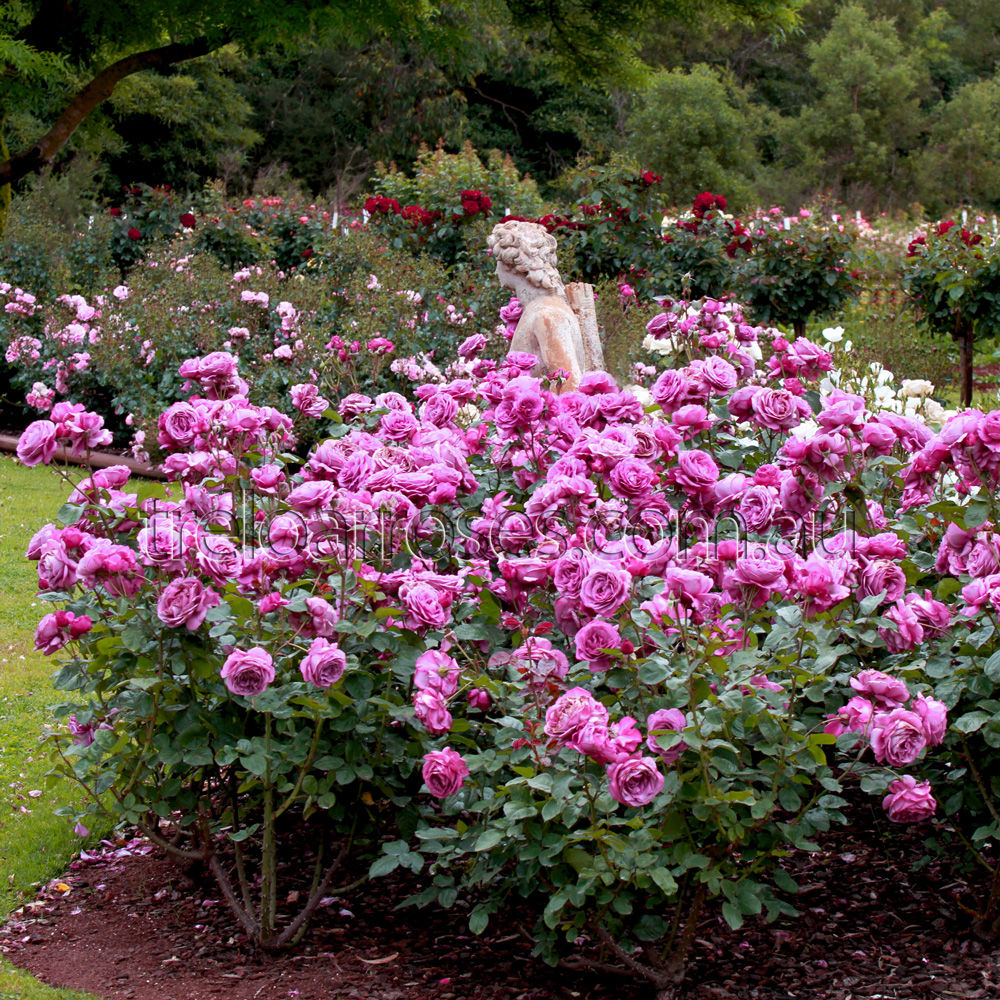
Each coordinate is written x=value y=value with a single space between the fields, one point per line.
x=604 y=589
x=248 y=672
x=324 y=664
x=444 y=772
x=571 y=712
x=37 y=443
x=909 y=800
x=635 y=782
x=661 y=721
x=897 y=737
x=594 y=637
x=185 y=602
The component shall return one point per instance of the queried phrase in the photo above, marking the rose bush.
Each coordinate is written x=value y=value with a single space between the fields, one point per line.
x=604 y=629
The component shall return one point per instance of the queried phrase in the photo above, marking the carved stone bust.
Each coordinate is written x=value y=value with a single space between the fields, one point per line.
x=549 y=326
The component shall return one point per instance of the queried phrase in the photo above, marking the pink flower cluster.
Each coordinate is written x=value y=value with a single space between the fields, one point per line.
x=897 y=735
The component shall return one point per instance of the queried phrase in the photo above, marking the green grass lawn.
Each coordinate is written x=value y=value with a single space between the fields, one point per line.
x=35 y=845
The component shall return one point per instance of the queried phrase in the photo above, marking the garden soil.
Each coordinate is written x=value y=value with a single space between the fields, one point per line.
x=129 y=924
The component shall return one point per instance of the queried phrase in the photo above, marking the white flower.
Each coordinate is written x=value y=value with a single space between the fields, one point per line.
x=833 y=334
x=848 y=345
x=918 y=387
x=641 y=393
x=805 y=430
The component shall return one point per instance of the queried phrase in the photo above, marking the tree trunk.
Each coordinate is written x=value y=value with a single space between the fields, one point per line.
x=40 y=155
x=966 y=342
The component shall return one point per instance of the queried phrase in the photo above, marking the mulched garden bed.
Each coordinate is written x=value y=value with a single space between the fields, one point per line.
x=135 y=926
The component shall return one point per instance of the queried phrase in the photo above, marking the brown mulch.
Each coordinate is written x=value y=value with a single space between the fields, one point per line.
x=872 y=923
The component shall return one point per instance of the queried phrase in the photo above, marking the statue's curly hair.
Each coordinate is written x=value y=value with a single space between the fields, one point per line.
x=530 y=249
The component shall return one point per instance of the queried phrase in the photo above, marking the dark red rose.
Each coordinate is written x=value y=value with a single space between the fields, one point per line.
x=913 y=249
x=371 y=205
x=470 y=207
x=720 y=203
x=650 y=178
x=134 y=234
x=115 y=211
x=188 y=221
x=943 y=227
x=307 y=253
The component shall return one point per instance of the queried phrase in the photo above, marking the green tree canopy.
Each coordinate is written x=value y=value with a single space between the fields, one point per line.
x=697 y=129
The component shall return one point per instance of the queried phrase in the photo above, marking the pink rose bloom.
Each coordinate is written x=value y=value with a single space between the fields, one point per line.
x=854 y=717
x=662 y=721
x=605 y=589
x=593 y=740
x=471 y=346
x=248 y=672
x=695 y=473
x=570 y=712
x=479 y=699
x=909 y=633
x=897 y=737
x=435 y=669
x=180 y=424
x=56 y=567
x=268 y=479
x=631 y=479
x=909 y=800
x=934 y=718
x=398 y=425
x=431 y=709
x=594 y=637
x=185 y=601
x=320 y=619
x=307 y=400
x=112 y=566
x=539 y=662
x=568 y=571
x=439 y=410
x=310 y=497
x=324 y=664
x=37 y=443
x=881 y=575
x=778 y=409
x=887 y=692
x=55 y=630
x=271 y=602
x=444 y=772
x=635 y=782
x=427 y=607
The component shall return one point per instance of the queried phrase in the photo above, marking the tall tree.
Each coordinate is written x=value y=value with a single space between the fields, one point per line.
x=89 y=46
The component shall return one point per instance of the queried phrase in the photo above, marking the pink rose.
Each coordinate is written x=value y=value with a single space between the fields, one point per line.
x=594 y=637
x=570 y=712
x=248 y=672
x=324 y=664
x=112 y=566
x=854 y=717
x=431 y=709
x=427 y=607
x=37 y=443
x=185 y=601
x=435 y=669
x=631 y=479
x=55 y=630
x=635 y=782
x=666 y=720
x=444 y=772
x=307 y=400
x=605 y=589
x=934 y=718
x=897 y=737
x=909 y=800
x=539 y=662
x=887 y=692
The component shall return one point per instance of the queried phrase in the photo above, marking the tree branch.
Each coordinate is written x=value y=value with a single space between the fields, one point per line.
x=41 y=154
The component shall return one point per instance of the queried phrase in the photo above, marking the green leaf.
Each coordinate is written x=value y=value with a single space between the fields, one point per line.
x=488 y=839
x=992 y=667
x=732 y=916
x=971 y=721
x=664 y=880
x=479 y=920
x=255 y=763
x=382 y=866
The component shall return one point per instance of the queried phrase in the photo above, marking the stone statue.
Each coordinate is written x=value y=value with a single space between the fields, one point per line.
x=558 y=324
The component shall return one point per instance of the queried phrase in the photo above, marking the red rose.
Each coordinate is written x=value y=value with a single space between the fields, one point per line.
x=134 y=234
x=115 y=211
x=470 y=207
x=943 y=227
x=650 y=178
x=307 y=253
x=188 y=221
